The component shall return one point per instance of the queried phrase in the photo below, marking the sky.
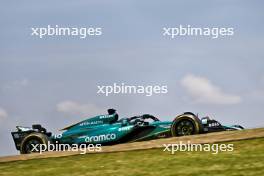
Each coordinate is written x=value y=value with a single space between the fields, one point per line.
x=53 y=81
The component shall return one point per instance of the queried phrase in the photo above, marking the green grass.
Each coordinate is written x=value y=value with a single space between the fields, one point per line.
x=246 y=159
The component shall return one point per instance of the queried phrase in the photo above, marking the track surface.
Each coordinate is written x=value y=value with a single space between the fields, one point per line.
x=195 y=139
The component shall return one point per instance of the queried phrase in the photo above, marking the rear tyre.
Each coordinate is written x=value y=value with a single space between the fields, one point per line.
x=31 y=143
x=184 y=125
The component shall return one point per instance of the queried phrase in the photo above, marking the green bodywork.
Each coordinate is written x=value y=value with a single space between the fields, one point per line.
x=100 y=130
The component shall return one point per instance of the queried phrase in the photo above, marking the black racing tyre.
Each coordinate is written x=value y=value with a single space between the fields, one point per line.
x=184 y=125
x=33 y=139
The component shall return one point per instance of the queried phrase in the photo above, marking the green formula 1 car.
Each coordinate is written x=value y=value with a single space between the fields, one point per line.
x=109 y=130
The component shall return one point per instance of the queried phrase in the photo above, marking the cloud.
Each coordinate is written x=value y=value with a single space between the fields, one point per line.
x=16 y=84
x=203 y=91
x=74 y=108
x=3 y=114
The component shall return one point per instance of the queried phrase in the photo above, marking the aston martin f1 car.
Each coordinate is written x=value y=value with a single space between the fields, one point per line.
x=109 y=129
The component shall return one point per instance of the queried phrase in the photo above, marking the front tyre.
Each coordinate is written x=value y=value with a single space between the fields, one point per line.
x=186 y=124
x=31 y=143
x=185 y=127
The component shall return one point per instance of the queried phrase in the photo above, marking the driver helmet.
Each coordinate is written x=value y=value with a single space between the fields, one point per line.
x=113 y=112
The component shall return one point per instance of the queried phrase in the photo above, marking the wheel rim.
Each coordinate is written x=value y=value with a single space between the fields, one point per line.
x=185 y=127
x=29 y=146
